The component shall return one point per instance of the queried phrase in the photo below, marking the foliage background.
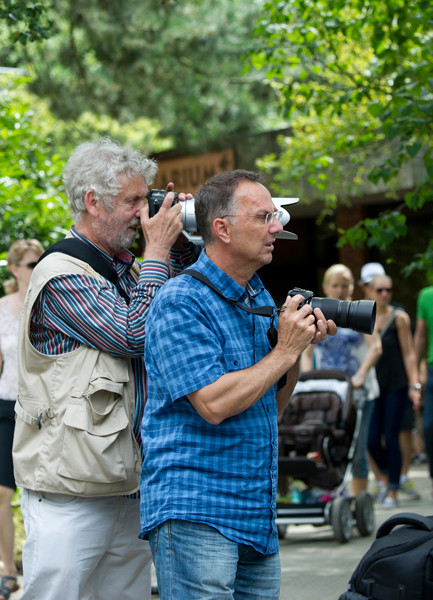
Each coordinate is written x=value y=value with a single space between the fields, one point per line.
x=351 y=79
x=355 y=77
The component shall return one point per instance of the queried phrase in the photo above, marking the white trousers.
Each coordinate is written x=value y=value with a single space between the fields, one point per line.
x=83 y=548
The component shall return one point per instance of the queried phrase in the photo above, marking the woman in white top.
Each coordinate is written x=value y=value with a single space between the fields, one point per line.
x=21 y=258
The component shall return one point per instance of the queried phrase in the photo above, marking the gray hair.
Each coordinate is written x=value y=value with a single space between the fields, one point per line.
x=96 y=166
x=215 y=199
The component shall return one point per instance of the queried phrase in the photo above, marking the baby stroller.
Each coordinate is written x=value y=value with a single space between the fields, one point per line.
x=317 y=439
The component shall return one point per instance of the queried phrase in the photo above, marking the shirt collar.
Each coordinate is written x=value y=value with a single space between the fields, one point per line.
x=229 y=287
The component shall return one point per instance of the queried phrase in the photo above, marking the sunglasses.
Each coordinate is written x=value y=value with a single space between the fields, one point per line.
x=380 y=290
x=30 y=265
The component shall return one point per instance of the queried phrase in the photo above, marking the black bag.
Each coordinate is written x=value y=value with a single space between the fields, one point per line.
x=399 y=563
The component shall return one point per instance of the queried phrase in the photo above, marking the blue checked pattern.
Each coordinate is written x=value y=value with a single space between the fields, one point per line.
x=222 y=475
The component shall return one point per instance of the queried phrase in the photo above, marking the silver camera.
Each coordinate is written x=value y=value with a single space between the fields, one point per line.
x=156 y=198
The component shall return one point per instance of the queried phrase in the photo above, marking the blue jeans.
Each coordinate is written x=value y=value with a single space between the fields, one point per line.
x=427 y=419
x=195 y=562
x=386 y=421
x=360 y=460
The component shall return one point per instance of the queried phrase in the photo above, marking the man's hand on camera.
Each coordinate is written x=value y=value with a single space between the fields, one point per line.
x=299 y=327
x=161 y=231
x=182 y=196
x=323 y=327
x=296 y=326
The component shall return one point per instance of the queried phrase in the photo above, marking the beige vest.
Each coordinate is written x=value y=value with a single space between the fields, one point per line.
x=74 y=412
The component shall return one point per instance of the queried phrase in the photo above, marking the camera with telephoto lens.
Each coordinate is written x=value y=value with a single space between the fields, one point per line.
x=359 y=315
x=155 y=199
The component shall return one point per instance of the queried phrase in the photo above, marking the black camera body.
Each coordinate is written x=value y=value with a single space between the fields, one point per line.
x=359 y=315
x=155 y=199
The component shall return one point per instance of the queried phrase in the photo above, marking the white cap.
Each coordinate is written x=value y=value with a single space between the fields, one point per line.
x=369 y=270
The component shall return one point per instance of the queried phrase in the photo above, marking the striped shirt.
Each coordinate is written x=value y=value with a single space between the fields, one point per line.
x=222 y=475
x=77 y=309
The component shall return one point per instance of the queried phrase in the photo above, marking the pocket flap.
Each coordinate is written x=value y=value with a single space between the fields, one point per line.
x=101 y=383
x=78 y=417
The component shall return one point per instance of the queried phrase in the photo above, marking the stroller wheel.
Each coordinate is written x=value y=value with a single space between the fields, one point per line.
x=364 y=513
x=341 y=519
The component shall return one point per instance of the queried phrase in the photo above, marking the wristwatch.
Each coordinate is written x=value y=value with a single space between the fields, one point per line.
x=417 y=387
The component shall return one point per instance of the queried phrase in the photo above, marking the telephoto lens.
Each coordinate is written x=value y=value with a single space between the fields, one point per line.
x=359 y=315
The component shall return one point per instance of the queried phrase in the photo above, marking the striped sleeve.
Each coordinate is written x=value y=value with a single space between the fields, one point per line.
x=78 y=309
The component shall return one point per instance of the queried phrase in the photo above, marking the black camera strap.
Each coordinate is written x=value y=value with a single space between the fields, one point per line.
x=261 y=311
x=89 y=254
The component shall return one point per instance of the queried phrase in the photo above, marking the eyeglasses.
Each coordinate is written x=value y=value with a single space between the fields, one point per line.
x=267 y=219
x=381 y=290
x=30 y=265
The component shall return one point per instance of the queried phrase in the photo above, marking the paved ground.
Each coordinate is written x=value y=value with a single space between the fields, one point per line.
x=315 y=566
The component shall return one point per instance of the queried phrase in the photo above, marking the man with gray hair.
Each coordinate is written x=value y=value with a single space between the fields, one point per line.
x=77 y=447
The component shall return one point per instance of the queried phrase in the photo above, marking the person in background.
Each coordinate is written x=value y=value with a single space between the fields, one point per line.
x=424 y=349
x=21 y=260
x=407 y=487
x=397 y=373
x=368 y=271
x=82 y=383
x=355 y=354
x=217 y=381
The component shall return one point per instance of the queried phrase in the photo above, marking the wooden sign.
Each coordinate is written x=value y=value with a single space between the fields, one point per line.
x=188 y=173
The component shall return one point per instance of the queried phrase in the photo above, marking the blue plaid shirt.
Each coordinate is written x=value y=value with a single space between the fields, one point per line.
x=222 y=475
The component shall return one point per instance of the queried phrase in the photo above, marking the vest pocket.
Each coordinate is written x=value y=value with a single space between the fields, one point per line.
x=97 y=444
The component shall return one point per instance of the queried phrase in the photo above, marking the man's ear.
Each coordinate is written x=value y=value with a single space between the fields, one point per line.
x=92 y=205
x=221 y=230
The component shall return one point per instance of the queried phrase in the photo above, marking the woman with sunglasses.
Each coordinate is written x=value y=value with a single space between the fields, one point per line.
x=355 y=354
x=21 y=259
x=397 y=374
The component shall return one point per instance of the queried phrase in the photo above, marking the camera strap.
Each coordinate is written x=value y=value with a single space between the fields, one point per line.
x=261 y=311
x=89 y=254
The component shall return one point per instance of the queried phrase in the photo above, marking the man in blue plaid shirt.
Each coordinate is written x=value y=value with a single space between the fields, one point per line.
x=208 y=484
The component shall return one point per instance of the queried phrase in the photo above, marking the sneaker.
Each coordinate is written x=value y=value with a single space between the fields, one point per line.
x=378 y=493
x=408 y=488
x=389 y=503
x=420 y=459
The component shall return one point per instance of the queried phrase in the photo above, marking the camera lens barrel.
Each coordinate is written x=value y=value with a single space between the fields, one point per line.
x=359 y=315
